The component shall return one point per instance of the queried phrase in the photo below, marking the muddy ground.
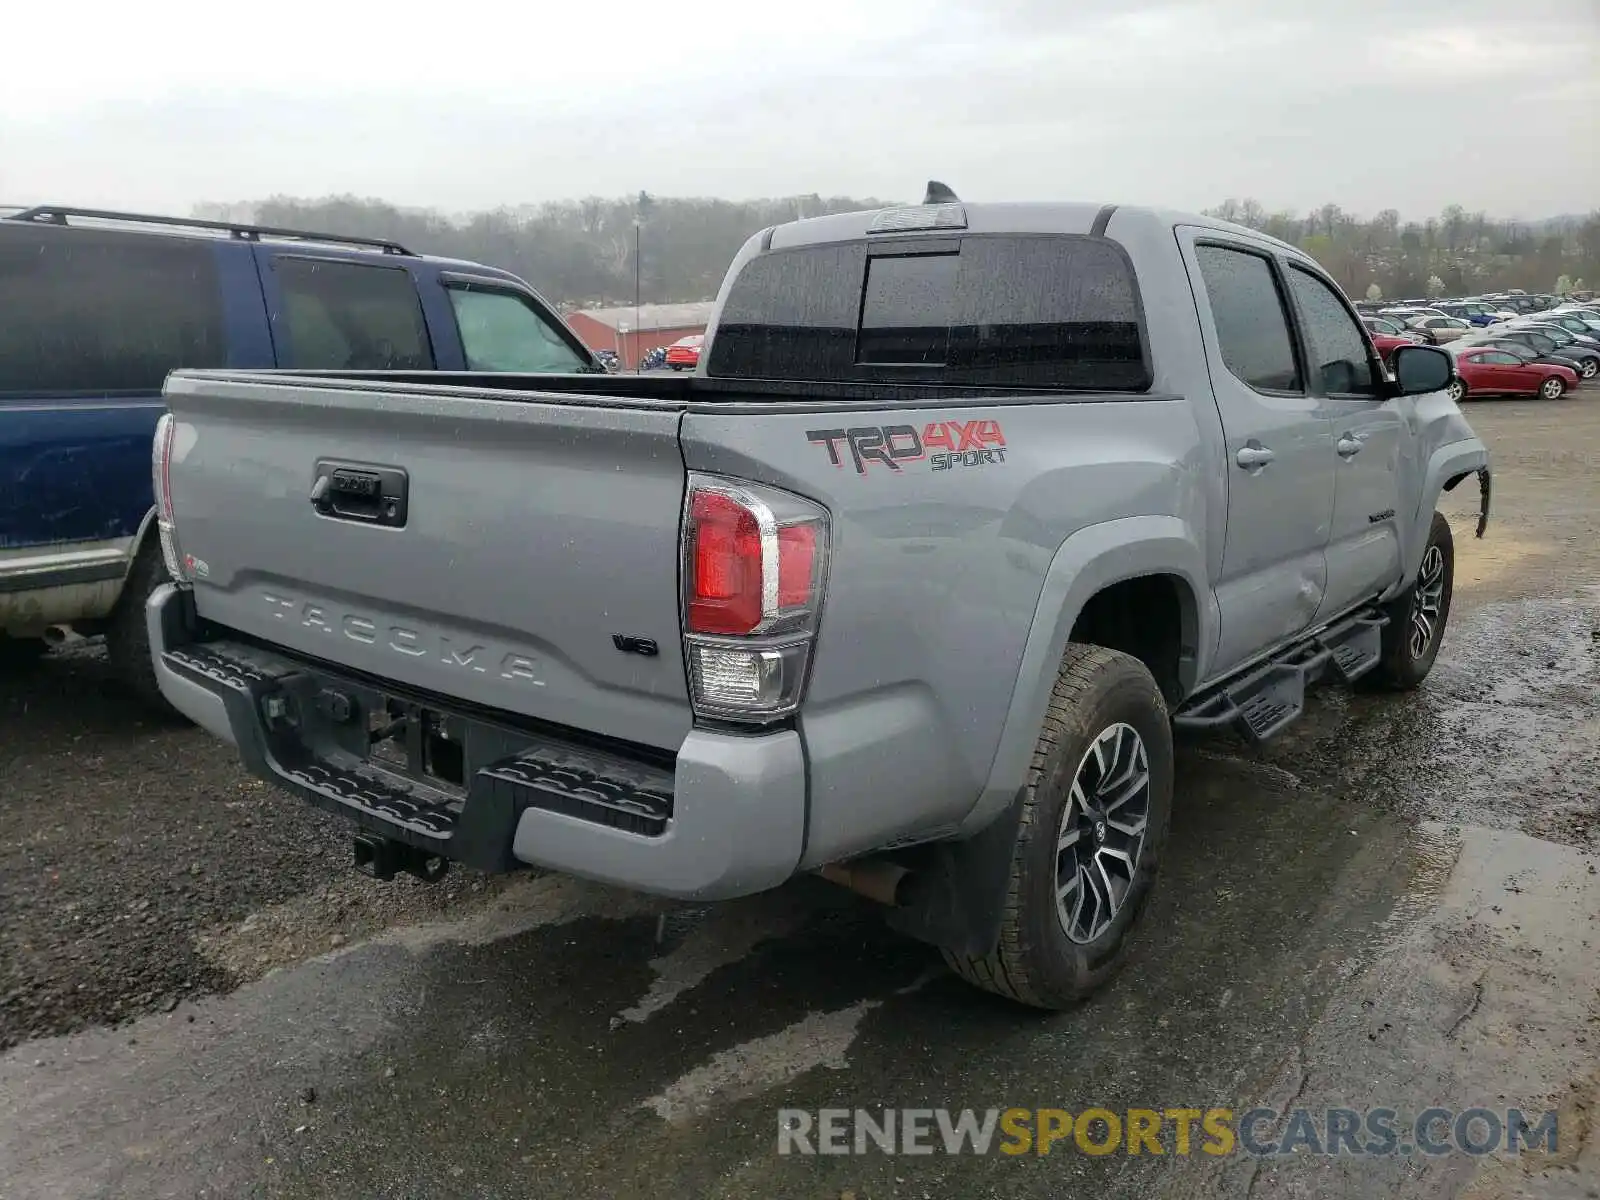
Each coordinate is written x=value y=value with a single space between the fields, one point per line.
x=1395 y=903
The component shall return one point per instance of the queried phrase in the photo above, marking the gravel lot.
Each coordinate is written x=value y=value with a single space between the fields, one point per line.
x=142 y=871
x=137 y=851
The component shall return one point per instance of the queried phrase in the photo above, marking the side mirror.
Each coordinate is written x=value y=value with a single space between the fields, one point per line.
x=1421 y=369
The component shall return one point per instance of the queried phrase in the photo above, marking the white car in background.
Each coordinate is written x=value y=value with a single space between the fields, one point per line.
x=1440 y=330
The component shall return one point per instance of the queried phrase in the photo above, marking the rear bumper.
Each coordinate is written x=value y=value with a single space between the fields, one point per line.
x=726 y=817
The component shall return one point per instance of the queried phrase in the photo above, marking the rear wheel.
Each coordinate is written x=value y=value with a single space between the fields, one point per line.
x=1588 y=368
x=1457 y=390
x=1094 y=821
x=1418 y=616
x=127 y=635
x=1553 y=388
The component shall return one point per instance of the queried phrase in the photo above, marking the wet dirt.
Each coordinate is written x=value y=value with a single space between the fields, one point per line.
x=140 y=865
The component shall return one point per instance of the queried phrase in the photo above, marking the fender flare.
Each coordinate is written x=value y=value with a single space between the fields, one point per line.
x=1447 y=466
x=1093 y=558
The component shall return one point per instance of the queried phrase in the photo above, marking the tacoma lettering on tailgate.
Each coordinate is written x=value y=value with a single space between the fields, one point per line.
x=943 y=444
x=412 y=643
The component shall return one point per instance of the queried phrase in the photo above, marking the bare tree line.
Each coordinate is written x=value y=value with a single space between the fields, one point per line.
x=581 y=252
x=1459 y=252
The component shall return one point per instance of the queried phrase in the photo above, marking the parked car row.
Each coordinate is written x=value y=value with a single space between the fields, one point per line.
x=1503 y=345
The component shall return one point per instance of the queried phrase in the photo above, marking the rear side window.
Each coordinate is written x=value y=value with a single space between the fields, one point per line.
x=1252 y=322
x=1011 y=311
x=502 y=331
x=89 y=310
x=340 y=315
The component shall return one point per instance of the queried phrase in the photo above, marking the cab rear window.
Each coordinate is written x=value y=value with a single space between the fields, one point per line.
x=1002 y=311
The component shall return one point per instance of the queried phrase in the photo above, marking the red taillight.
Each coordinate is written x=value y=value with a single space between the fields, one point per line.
x=161 y=481
x=754 y=567
x=165 y=431
x=725 y=594
x=797 y=557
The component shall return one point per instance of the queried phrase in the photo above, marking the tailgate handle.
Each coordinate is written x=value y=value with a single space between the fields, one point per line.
x=361 y=492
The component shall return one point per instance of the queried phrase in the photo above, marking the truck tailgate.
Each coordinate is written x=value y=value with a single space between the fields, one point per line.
x=529 y=566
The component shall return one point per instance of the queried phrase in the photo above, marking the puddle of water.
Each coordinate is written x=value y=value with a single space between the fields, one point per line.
x=1505 y=733
x=754 y=1067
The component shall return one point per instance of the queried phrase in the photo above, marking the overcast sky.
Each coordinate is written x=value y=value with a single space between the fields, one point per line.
x=1410 y=104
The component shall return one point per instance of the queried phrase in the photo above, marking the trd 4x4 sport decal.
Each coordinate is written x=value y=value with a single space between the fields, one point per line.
x=944 y=444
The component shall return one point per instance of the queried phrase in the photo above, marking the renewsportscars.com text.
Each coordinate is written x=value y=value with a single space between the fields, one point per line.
x=1258 y=1132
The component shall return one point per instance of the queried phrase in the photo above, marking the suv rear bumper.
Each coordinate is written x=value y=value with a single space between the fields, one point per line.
x=725 y=818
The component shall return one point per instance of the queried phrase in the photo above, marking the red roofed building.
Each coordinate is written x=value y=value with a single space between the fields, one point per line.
x=633 y=332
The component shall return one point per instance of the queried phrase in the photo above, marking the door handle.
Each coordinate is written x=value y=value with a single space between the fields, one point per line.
x=1349 y=445
x=1253 y=456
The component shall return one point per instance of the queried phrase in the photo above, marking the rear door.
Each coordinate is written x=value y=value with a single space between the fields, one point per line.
x=1369 y=438
x=1279 y=448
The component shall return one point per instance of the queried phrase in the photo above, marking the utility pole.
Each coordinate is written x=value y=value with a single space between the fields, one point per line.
x=637 y=223
x=641 y=210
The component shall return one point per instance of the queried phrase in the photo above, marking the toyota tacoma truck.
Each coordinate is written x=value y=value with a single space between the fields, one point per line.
x=966 y=508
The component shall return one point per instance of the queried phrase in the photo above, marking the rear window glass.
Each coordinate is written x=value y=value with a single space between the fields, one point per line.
x=88 y=310
x=349 y=316
x=905 y=315
x=1030 y=311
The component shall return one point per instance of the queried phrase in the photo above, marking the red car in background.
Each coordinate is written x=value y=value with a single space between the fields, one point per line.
x=1483 y=371
x=1388 y=336
x=685 y=352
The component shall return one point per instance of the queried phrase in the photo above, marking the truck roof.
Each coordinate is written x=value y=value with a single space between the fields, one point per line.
x=996 y=217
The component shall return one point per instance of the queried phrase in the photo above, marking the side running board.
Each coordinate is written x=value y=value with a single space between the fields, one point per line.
x=1260 y=704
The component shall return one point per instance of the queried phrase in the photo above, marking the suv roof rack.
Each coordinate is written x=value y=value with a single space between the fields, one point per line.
x=56 y=214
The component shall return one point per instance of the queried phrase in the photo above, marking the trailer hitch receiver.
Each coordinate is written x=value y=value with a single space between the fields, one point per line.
x=384 y=858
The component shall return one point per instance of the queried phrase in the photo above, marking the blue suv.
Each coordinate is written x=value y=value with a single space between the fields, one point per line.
x=96 y=307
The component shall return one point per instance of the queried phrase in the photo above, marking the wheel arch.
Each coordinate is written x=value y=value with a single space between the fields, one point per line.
x=1099 y=559
x=1447 y=466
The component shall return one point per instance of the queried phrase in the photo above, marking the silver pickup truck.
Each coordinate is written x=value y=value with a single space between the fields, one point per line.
x=965 y=509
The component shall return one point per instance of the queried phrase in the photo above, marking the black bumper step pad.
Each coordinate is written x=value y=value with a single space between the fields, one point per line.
x=382 y=797
x=231 y=665
x=589 y=786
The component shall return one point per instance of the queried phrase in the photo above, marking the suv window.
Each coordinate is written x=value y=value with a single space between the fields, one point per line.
x=1005 y=311
x=353 y=316
x=1344 y=361
x=1252 y=323
x=502 y=331
x=89 y=310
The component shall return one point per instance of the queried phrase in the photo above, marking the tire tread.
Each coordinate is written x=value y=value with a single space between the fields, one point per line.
x=1004 y=970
